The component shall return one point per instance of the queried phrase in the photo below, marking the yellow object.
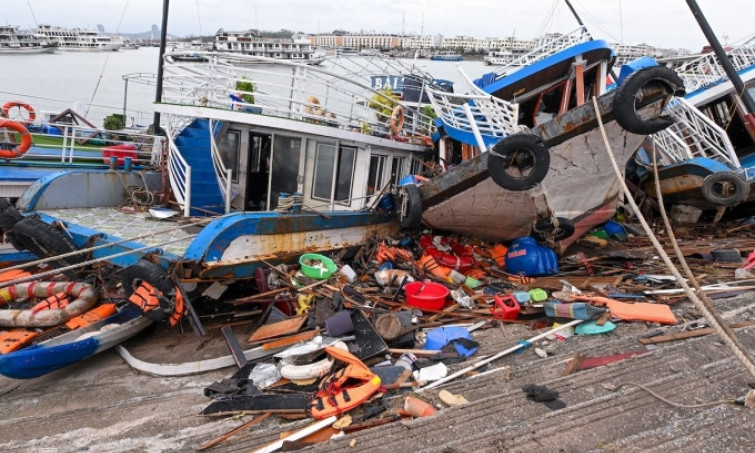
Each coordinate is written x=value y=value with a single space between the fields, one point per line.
x=305 y=303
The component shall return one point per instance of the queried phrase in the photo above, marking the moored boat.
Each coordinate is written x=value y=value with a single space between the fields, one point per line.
x=78 y=39
x=15 y=41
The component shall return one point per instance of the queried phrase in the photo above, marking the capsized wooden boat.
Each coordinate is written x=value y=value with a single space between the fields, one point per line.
x=536 y=161
x=74 y=346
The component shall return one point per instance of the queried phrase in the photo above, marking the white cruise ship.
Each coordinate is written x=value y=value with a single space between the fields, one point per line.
x=14 y=41
x=79 y=39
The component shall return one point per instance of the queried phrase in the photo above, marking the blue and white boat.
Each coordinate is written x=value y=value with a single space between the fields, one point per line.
x=283 y=157
x=707 y=157
x=523 y=147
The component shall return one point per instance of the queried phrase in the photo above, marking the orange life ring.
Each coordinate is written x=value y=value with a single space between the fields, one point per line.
x=461 y=258
x=31 y=114
x=397 y=120
x=7 y=150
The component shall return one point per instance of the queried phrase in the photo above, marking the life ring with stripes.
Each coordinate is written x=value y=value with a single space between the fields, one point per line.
x=11 y=150
x=57 y=307
x=397 y=120
x=460 y=259
x=31 y=115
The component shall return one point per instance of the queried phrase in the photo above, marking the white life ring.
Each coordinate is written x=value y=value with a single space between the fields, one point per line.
x=312 y=370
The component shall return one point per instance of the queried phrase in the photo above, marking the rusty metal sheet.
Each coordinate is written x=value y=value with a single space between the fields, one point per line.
x=278 y=329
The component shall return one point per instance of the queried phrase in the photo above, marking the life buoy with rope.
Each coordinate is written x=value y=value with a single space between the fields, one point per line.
x=632 y=91
x=397 y=120
x=12 y=150
x=56 y=309
x=460 y=259
x=27 y=119
x=313 y=105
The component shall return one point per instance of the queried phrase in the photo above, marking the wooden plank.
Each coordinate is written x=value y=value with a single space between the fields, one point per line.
x=278 y=329
x=233 y=345
x=219 y=439
x=304 y=336
x=691 y=333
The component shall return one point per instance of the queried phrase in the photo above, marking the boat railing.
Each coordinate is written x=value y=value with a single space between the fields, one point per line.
x=291 y=90
x=475 y=112
x=548 y=48
x=224 y=174
x=693 y=134
x=69 y=144
x=707 y=70
x=179 y=171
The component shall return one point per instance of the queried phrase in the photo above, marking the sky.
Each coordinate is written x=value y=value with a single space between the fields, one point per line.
x=661 y=23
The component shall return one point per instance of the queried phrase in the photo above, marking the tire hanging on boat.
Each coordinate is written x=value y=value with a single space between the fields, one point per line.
x=45 y=241
x=632 y=91
x=84 y=297
x=725 y=188
x=519 y=162
x=410 y=211
x=9 y=217
x=556 y=227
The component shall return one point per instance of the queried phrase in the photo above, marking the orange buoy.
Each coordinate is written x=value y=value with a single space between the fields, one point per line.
x=8 y=150
x=31 y=115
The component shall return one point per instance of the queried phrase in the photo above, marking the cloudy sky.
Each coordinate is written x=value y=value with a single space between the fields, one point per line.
x=663 y=23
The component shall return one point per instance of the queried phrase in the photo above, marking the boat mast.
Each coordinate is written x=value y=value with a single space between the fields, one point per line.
x=582 y=24
x=739 y=86
x=159 y=89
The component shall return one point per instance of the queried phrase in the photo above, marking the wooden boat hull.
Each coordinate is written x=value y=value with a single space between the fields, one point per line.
x=70 y=348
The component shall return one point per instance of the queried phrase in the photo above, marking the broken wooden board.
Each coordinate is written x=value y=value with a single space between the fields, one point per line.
x=259 y=404
x=278 y=329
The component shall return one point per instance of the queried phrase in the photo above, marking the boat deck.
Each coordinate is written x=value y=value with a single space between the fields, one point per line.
x=116 y=222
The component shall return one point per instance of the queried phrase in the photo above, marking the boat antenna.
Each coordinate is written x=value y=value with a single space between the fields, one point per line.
x=582 y=24
x=32 y=14
x=159 y=89
x=729 y=68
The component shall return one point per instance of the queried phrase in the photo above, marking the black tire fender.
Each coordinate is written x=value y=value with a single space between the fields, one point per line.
x=156 y=276
x=45 y=241
x=9 y=217
x=725 y=188
x=559 y=228
x=516 y=152
x=410 y=211
x=631 y=92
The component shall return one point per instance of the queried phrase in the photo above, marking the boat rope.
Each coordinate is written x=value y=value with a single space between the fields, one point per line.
x=671 y=403
x=733 y=345
x=92 y=261
x=102 y=246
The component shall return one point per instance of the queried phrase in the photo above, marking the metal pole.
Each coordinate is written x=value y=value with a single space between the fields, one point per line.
x=159 y=90
x=125 y=100
x=723 y=59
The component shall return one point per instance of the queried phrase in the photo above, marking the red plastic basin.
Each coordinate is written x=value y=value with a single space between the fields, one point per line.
x=431 y=296
x=119 y=151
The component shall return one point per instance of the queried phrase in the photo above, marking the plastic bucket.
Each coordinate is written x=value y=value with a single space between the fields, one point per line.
x=317 y=266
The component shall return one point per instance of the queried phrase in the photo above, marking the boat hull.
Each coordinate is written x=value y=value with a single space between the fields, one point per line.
x=67 y=349
x=27 y=50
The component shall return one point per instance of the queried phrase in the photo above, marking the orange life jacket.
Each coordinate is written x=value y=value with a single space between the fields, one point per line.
x=10 y=340
x=345 y=389
x=151 y=302
x=178 y=312
x=94 y=315
x=13 y=274
x=58 y=300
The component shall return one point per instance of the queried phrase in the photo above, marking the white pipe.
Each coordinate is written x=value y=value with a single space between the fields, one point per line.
x=313 y=428
x=475 y=129
x=498 y=356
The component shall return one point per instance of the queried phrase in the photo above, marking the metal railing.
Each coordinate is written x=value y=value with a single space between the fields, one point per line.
x=548 y=48
x=179 y=171
x=693 y=134
x=475 y=112
x=291 y=90
x=223 y=173
x=707 y=70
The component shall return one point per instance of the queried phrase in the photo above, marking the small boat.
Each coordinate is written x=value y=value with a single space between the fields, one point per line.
x=74 y=346
x=15 y=41
x=523 y=148
x=446 y=57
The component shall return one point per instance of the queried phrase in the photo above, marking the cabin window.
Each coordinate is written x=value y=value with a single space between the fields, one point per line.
x=375 y=177
x=229 y=147
x=334 y=172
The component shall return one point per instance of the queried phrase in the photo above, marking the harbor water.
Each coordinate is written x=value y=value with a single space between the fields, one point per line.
x=92 y=83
